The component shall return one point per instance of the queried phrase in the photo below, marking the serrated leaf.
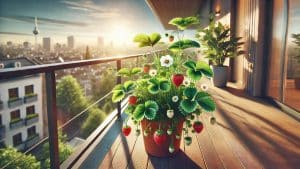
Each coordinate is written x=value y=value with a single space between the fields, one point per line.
x=153 y=89
x=183 y=23
x=188 y=105
x=129 y=86
x=151 y=109
x=164 y=85
x=118 y=87
x=151 y=104
x=204 y=68
x=190 y=92
x=138 y=113
x=124 y=72
x=190 y=64
x=183 y=44
x=205 y=101
x=129 y=109
x=154 y=81
x=118 y=95
x=194 y=74
x=142 y=39
x=154 y=38
x=136 y=70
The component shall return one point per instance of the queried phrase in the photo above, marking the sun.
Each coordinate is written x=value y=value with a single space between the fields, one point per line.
x=120 y=35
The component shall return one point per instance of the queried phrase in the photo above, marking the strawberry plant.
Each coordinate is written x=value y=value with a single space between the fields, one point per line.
x=167 y=92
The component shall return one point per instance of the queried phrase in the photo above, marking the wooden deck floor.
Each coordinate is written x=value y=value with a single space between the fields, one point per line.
x=250 y=133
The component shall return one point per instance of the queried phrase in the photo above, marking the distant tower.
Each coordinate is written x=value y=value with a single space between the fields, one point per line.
x=71 y=42
x=35 y=32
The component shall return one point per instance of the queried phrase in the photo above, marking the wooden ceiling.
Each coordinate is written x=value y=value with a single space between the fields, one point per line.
x=165 y=10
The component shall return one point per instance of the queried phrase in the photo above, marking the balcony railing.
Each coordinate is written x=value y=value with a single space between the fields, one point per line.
x=32 y=118
x=14 y=102
x=50 y=81
x=30 y=98
x=32 y=140
x=16 y=123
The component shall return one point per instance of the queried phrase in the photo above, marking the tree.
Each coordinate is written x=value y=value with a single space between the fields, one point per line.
x=70 y=97
x=93 y=120
x=64 y=150
x=17 y=160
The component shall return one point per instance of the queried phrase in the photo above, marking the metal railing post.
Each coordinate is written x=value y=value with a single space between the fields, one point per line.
x=52 y=119
x=119 y=81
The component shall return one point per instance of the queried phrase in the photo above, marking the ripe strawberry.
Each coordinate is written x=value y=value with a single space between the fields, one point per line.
x=171 y=38
x=198 y=126
x=159 y=137
x=126 y=130
x=177 y=79
x=146 y=68
x=132 y=100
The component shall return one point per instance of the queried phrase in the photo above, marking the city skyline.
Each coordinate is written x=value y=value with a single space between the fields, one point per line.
x=119 y=20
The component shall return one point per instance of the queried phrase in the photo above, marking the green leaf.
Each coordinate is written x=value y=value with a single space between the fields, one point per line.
x=142 y=39
x=118 y=87
x=183 y=23
x=151 y=109
x=118 y=95
x=138 y=113
x=204 y=68
x=154 y=38
x=190 y=64
x=183 y=44
x=164 y=85
x=124 y=72
x=153 y=89
x=205 y=101
x=154 y=81
x=136 y=70
x=190 y=92
x=194 y=74
x=129 y=109
x=129 y=86
x=188 y=105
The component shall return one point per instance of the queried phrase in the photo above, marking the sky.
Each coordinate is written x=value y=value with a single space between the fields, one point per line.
x=114 y=20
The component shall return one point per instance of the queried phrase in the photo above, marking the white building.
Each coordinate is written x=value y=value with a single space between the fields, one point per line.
x=71 y=42
x=47 y=43
x=21 y=107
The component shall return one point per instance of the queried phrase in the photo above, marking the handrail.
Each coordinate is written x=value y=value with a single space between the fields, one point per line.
x=30 y=70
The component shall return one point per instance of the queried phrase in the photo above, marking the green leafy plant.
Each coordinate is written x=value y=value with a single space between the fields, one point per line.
x=218 y=44
x=166 y=91
x=30 y=95
x=30 y=116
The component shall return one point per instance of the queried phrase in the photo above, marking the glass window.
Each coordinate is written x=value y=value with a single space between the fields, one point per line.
x=17 y=139
x=31 y=131
x=0 y=120
x=29 y=89
x=15 y=114
x=13 y=93
x=30 y=110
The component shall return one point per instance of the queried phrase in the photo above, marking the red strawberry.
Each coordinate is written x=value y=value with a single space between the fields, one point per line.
x=146 y=68
x=132 y=100
x=159 y=137
x=177 y=79
x=198 y=126
x=126 y=130
x=171 y=38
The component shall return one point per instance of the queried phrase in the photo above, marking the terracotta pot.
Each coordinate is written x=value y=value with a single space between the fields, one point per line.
x=161 y=150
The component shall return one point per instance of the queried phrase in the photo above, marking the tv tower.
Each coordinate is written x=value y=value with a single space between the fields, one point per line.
x=35 y=32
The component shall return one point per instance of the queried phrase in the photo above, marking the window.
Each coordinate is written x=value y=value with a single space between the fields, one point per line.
x=15 y=114
x=31 y=131
x=30 y=110
x=17 y=139
x=29 y=89
x=13 y=93
x=0 y=120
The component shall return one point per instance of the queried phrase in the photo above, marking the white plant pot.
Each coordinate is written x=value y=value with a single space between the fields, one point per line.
x=220 y=75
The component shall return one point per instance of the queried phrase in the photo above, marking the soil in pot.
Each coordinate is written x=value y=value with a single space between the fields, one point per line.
x=161 y=150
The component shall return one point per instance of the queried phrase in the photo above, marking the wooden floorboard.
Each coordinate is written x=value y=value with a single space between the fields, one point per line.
x=249 y=133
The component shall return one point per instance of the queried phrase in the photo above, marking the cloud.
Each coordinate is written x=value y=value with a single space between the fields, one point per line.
x=46 y=21
x=15 y=33
x=92 y=9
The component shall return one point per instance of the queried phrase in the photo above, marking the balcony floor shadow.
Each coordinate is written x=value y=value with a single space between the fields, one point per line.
x=249 y=133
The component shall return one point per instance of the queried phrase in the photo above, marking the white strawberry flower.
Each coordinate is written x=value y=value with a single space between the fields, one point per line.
x=166 y=61
x=175 y=99
x=186 y=82
x=152 y=72
x=204 y=87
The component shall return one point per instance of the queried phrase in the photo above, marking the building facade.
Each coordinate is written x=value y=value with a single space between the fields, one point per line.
x=71 y=42
x=47 y=43
x=21 y=112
